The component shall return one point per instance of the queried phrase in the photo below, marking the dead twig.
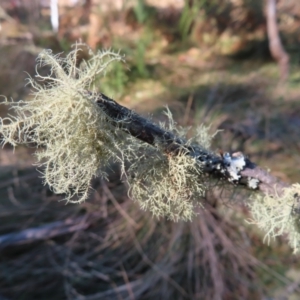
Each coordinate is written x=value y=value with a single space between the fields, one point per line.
x=219 y=166
x=45 y=232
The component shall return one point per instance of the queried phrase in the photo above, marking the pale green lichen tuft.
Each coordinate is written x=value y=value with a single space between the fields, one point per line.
x=203 y=137
x=167 y=185
x=201 y=134
x=75 y=140
x=279 y=214
x=73 y=135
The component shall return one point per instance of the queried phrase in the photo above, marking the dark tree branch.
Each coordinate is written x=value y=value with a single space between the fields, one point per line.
x=268 y=183
x=235 y=168
x=45 y=232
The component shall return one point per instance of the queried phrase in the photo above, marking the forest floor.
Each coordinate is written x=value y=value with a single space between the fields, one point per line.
x=242 y=98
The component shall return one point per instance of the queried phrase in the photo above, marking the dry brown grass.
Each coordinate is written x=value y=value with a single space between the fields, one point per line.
x=124 y=254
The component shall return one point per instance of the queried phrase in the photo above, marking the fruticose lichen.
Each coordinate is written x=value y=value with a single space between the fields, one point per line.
x=166 y=185
x=76 y=139
x=279 y=214
x=73 y=135
x=169 y=186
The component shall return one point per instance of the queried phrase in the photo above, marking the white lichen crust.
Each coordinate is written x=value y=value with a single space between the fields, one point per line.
x=72 y=133
x=252 y=183
x=278 y=215
x=234 y=164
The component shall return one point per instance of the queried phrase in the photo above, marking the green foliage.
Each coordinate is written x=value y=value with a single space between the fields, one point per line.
x=189 y=14
x=139 y=68
x=140 y=59
x=140 y=11
x=186 y=19
x=115 y=81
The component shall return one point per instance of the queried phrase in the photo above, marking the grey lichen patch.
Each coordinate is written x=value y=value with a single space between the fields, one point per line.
x=168 y=186
x=73 y=135
x=278 y=214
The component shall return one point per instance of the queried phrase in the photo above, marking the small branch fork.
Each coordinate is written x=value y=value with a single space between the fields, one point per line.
x=235 y=168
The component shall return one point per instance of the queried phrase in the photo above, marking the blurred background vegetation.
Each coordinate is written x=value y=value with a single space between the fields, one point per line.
x=209 y=61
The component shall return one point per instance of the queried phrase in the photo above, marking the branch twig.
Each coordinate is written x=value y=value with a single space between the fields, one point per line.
x=235 y=168
x=44 y=232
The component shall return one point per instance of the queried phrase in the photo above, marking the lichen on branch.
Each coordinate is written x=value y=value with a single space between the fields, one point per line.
x=169 y=185
x=72 y=133
x=278 y=214
x=78 y=131
x=76 y=137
